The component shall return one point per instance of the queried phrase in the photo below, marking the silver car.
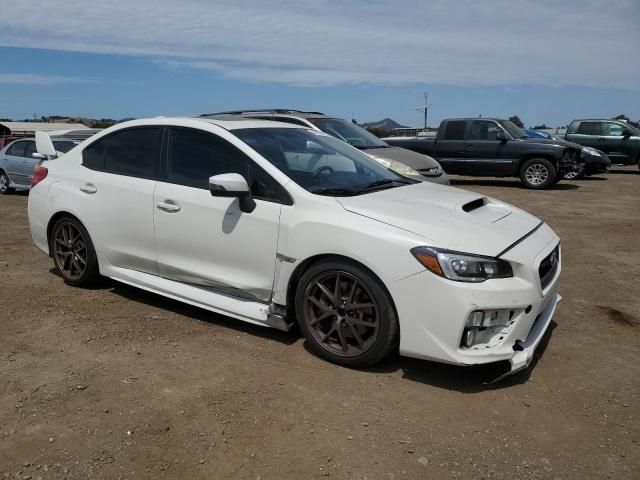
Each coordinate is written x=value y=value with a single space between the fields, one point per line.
x=17 y=162
x=400 y=160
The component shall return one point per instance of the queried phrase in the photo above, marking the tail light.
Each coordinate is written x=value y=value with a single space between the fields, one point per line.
x=39 y=174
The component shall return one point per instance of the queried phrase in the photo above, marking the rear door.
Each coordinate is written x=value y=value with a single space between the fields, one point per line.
x=484 y=153
x=450 y=146
x=14 y=158
x=116 y=182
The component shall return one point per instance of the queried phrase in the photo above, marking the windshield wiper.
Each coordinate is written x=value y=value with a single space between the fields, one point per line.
x=383 y=184
x=335 y=191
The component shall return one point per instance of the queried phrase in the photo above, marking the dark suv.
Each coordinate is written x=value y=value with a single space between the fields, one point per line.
x=619 y=140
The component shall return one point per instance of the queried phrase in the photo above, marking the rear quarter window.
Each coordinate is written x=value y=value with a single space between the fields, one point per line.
x=454 y=130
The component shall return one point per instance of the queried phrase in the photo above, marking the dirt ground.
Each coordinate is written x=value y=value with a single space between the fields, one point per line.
x=118 y=383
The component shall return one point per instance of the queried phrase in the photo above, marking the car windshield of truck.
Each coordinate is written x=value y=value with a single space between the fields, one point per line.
x=513 y=129
x=348 y=132
x=319 y=163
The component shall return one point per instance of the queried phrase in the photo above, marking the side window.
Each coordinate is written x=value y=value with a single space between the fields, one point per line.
x=483 y=130
x=588 y=128
x=611 y=129
x=30 y=150
x=264 y=187
x=454 y=130
x=93 y=155
x=194 y=156
x=17 y=149
x=133 y=152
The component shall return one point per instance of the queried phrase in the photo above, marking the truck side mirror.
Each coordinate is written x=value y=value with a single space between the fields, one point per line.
x=626 y=133
x=501 y=136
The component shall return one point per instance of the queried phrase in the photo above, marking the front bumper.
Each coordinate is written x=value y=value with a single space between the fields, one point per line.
x=433 y=311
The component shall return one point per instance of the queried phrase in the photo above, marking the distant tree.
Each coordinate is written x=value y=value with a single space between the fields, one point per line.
x=353 y=120
x=516 y=119
x=5 y=120
x=540 y=127
x=378 y=132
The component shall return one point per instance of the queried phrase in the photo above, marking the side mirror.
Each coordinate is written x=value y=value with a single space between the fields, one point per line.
x=626 y=133
x=232 y=185
x=501 y=136
x=39 y=156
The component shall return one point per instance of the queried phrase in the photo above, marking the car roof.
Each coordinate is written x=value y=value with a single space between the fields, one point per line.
x=598 y=120
x=228 y=122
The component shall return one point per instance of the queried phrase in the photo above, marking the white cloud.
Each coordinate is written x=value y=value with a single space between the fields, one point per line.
x=34 y=79
x=312 y=42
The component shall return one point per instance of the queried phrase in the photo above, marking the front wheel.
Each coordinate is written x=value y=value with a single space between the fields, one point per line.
x=73 y=253
x=5 y=189
x=537 y=173
x=345 y=314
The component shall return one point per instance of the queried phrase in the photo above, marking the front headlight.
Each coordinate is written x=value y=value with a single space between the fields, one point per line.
x=397 y=167
x=590 y=151
x=461 y=267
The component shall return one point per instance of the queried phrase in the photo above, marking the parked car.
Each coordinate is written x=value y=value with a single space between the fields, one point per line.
x=619 y=140
x=491 y=147
x=404 y=162
x=594 y=161
x=532 y=133
x=273 y=223
x=17 y=162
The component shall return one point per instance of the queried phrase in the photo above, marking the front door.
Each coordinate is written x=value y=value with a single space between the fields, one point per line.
x=208 y=241
x=484 y=153
x=614 y=144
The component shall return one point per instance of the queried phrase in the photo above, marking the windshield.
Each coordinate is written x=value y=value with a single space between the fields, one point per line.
x=513 y=130
x=348 y=132
x=320 y=163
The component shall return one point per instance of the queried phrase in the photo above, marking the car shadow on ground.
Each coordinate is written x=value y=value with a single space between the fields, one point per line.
x=624 y=172
x=472 y=379
x=564 y=185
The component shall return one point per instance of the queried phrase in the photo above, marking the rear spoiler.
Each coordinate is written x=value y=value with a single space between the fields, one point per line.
x=44 y=142
x=44 y=145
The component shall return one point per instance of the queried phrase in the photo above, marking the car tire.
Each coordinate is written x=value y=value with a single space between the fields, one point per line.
x=346 y=314
x=538 y=173
x=5 y=189
x=74 y=256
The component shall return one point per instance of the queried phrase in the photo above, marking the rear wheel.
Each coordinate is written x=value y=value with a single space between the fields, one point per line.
x=538 y=173
x=73 y=254
x=345 y=314
x=5 y=189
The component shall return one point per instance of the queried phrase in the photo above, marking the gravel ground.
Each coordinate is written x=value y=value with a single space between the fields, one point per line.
x=118 y=383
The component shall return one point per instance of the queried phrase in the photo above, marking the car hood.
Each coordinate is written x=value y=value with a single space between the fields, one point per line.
x=415 y=160
x=446 y=217
x=551 y=141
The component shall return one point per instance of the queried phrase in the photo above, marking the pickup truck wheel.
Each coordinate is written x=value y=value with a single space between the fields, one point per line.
x=538 y=173
x=5 y=189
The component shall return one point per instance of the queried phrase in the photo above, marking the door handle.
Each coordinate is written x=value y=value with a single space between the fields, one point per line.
x=88 y=188
x=168 y=206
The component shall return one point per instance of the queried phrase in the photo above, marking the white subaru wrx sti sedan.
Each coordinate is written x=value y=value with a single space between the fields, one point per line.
x=273 y=224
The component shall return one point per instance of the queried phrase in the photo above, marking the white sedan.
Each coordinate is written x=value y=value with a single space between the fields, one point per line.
x=274 y=224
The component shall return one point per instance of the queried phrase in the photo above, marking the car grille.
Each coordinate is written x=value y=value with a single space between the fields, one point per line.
x=548 y=267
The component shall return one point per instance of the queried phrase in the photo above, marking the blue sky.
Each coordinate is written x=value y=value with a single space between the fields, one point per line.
x=545 y=61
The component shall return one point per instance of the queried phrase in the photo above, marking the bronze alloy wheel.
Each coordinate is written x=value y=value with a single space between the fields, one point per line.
x=70 y=250
x=341 y=314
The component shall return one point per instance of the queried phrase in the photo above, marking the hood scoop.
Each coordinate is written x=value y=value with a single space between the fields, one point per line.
x=474 y=204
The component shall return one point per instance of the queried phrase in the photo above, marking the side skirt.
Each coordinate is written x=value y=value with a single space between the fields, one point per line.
x=257 y=313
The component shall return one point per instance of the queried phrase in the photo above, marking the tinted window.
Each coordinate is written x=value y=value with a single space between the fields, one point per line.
x=63 y=145
x=30 y=150
x=454 y=130
x=195 y=156
x=17 y=149
x=483 y=130
x=588 y=128
x=133 y=152
x=612 y=129
x=348 y=132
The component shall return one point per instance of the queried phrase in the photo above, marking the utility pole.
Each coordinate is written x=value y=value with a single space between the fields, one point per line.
x=424 y=108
